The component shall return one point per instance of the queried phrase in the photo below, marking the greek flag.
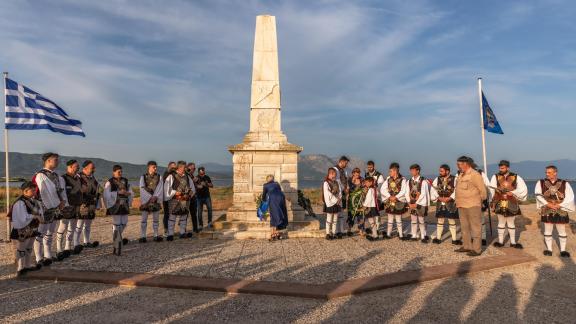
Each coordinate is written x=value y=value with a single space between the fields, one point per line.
x=27 y=109
x=490 y=122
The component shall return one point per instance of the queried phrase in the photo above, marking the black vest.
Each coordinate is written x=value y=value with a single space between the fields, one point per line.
x=151 y=182
x=447 y=190
x=73 y=189
x=180 y=184
x=91 y=195
x=118 y=184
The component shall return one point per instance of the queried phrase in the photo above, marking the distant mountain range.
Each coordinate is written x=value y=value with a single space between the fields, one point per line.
x=310 y=167
x=24 y=165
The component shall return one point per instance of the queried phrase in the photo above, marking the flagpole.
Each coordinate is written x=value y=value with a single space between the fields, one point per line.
x=7 y=167
x=484 y=146
x=482 y=126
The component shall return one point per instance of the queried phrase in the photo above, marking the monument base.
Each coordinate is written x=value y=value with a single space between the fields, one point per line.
x=222 y=228
x=253 y=162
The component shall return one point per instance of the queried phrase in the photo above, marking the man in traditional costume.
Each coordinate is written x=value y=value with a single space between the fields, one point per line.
x=178 y=189
x=554 y=199
x=374 y=174
x=90 y=203
x=331 y=196
x=370 y=208
x=118 y=199
x=51 y=192
x=507 y=190
x=342 y=179
x=70 y=213
x=169 y=170
x=418 y=195
x=25 y=215
x=443 y=193
x=393 y=192
x=151 y=195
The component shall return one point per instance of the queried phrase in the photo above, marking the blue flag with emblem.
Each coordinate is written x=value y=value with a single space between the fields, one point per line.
x=26 y=109
x=490 y=122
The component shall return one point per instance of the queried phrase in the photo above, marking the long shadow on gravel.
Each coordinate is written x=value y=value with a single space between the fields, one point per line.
x=491 y=309
x=553 y=296
x=12 y=287
x=436 y=310
x=379 y=310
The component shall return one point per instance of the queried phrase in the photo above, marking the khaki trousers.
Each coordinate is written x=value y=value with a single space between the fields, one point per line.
x=471 y=224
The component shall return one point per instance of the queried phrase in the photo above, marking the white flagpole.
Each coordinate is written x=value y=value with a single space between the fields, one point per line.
x=484 y=144
x=7 y=167
x=482 y=126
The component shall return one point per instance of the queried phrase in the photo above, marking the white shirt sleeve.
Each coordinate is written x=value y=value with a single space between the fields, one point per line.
x=492 y=191
x=20 y=215
x=540 y=200
x=568 y=202
x=109 y=197
x=521 y=191
x=384 y=194
x=144 y=194
x=159 y=192
x=433 y=192
x=330 y=199
x=424 y=199
x=369 y=200
x=168 y=191
x=403 y=191
x=47 y=191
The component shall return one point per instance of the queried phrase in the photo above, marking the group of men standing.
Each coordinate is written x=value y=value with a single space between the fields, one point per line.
x=65 y=206
x=465 y=197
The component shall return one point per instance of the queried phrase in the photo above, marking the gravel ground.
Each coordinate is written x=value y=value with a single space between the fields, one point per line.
x=300 y=260
x=537 y=292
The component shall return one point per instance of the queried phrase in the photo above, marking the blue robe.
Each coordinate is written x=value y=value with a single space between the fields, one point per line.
x=277 y=204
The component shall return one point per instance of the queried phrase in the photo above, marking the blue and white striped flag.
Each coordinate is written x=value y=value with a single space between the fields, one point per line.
x=27 y=109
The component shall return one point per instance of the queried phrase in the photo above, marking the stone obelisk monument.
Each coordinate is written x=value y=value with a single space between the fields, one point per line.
x=265 y=149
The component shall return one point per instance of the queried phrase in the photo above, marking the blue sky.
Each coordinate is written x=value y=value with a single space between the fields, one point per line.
x=383 y=80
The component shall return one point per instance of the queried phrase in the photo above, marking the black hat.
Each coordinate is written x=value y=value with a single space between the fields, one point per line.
x=465 y=159
x=70 y=162
x=151 y=163
x=394 y=165
x=415 y=166
x=445 y=167
x=504 y=162
x=87 y=163
x=27 y=185
x=48 y=155
x=344 y=158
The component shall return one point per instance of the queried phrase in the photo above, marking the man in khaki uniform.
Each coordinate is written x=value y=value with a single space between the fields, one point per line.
x=470 y=192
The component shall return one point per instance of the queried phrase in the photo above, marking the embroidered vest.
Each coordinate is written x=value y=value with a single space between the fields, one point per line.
x=151 y=182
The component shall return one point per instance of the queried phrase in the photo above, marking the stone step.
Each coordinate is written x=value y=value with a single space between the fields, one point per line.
x=223 y=225
x=259 y=234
